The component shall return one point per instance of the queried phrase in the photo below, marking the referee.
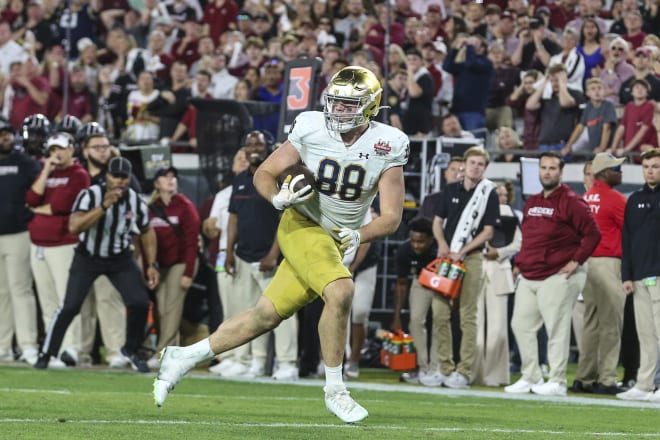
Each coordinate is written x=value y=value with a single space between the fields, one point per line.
x=105 y=217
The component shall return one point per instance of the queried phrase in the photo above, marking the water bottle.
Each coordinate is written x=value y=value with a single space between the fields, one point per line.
x=220 y=261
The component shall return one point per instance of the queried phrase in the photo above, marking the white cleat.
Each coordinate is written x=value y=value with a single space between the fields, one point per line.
x=341 y=404
x=174 y=364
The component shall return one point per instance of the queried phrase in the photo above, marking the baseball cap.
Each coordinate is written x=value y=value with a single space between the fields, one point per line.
x=60 y=140
x=261 y=16
x=163 y=172
x=119 y=166
x=603 y=161
x=84 y=43
x=644 y=51
x=413 y=51
x=542 y=10
x=508 y=14
x=434 y=8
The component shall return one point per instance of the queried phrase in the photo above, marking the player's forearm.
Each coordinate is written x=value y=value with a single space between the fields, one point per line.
x=381 y=227
x=265 y=184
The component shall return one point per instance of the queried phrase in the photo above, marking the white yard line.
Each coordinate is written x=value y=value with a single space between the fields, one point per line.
x=362 y=427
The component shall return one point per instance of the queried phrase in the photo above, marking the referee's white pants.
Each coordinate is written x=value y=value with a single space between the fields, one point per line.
x=249 y=284
x=50 y=266
x=18 y=306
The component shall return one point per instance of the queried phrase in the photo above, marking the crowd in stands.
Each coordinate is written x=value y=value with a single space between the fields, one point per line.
x=578 y=77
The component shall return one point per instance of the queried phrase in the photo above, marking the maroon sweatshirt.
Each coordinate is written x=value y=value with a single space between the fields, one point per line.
x=62 y=188
x=172 y=248
x=555 y=230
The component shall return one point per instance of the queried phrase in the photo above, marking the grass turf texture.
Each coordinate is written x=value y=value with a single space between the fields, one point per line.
x=97 y=404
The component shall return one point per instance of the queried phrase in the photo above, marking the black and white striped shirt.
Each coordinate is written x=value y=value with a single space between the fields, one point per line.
x=111 y=235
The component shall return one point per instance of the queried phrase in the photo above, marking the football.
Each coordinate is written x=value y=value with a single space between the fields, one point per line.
x=295 y=170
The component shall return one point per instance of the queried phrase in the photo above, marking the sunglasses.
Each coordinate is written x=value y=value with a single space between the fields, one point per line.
x=619 y=49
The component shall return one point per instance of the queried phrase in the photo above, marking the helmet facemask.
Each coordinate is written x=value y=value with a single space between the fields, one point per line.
x=345 y=121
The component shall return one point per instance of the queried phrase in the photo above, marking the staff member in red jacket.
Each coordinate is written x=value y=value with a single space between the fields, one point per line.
x=604 y=300
x=51 y=197
x=558 y=235
x=176 y=222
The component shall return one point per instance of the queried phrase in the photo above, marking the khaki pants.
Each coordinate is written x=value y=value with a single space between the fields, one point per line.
x=170 y=298
x=18 y=306
x=50 y=267
x=647 y=321
x=107 y=305
x=604 y=301
x=249 y=283
x=491 y=364
x=227 y=290
x=470 y=292
x=420 y=299
x=550 y=302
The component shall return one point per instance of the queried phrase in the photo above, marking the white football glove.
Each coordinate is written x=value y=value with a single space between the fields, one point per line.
x=286 y=197
x=350 y=239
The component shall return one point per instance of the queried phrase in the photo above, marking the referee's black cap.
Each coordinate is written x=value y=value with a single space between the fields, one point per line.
x=120 y=166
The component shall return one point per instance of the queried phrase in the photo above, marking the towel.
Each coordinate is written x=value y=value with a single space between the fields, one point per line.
x=474 y=211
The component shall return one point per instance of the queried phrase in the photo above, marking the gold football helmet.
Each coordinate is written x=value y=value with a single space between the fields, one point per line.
x=356 y=88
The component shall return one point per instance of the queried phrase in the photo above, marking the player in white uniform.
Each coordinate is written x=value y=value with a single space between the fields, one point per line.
x=352 y=158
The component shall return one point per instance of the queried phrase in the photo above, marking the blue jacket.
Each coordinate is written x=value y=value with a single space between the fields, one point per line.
x=472 y=80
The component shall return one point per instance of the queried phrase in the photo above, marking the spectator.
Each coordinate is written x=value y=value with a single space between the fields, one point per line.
x=598 y=117
x=590 y=47
x=588 y=10
x=254 y=56
x=38 y=32
x=531 y=118
x=563 y=13
x=504 y=80
x=271 y=91
x=204 y=50
x=51 y=198
x=354 y=19
x=141 y=124
x=507 y=139
x=559 y=234
x=417 y=117
x=572 y=60
x=31 y=92
x=87 y=59
x=18 y=314
x=639 y=269
x=491 y=20
x=433 y=19
x=473 y=72
x=219 y=16
x=452 y=174
x=451 y=127
x=643 y=70
x=491 y=364
x=396 y=95
x=505 y=32
x=188 y=123
x=616 y=70
x=603 y=299
x=411 y=257
x=83 y=23
x=558 y=107
x=375 y=35
x=97 y=210
x=252 y=256
x=156 y=57
x=634 y=34
x=81 y=101
x=263 y=27
x=111 y=11
x=172 y=101
x=636 y=131
x=464 y=220
x=534 y=47
x=243 y=90
x=185 y=49
x=176 y=224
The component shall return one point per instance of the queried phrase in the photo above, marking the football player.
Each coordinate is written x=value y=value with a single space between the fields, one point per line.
x=353 y=158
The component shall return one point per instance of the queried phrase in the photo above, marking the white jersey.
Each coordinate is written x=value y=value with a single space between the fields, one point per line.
x=347 y=176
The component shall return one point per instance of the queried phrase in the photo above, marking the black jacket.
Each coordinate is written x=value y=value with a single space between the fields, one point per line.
x=641 y=235
x=17 y=173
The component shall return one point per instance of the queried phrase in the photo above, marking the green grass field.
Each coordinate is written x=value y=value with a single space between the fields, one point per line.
x=98 y=404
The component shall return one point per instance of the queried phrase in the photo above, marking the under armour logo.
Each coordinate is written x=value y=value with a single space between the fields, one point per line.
x=365 y=155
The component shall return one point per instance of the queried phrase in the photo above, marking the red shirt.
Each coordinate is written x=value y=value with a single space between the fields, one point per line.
x=634 y=116
x=555 y=230
x=607 y=206
x=219 y=17
x=23 y=105
x=189 y=54
x=635 y=40
x=172 y=248
x=62 y=188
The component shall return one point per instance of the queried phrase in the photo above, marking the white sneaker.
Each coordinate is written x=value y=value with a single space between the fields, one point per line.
x=522 y=386
x=352 y=370
x=655 y=397
x=434 y=379
x=411 y=377
x=222 y=366
x=457 y=381
x=341 y=404
x=174 y=364
x=117 y=361
x=84 y=360
x=257 y=369
x=29 y=355
x=235 y=370
x=635 y=394
x=549 y=389
x=56 y=363
x=286 y=371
